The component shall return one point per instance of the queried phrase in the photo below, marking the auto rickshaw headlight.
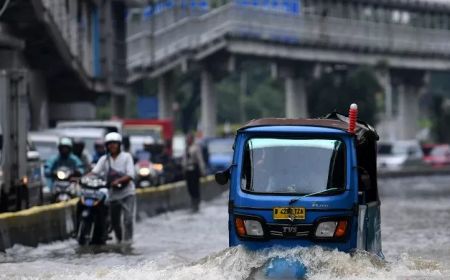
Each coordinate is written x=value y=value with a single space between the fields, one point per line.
x=253 y=228
x=248 y=227
x=326 y=229
x=330 y=229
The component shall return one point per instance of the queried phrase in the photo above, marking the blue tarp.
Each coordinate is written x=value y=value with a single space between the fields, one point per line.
x=147 y=107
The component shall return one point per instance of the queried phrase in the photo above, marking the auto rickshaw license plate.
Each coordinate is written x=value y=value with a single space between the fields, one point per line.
x=289 y=213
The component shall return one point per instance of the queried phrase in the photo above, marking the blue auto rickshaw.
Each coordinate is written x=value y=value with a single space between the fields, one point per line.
x=304 y=182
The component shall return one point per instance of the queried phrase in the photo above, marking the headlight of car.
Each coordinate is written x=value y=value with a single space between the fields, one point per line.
x=144 y=171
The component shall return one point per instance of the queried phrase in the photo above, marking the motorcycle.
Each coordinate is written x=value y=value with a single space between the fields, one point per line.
x=92 y=211
x=64 y=185
x=148 y=173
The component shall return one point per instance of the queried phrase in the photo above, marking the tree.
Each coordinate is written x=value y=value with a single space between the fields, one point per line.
x=336 y=90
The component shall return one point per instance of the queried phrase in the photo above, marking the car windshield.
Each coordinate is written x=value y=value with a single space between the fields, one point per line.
x=46 y=150
x=293 y=166
x=220 y=146
x=155 y=134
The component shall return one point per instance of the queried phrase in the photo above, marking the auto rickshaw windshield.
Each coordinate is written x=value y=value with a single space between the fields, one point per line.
x=293 y=166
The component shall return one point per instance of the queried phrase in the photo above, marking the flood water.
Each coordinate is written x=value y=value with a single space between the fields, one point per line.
x=179 y=245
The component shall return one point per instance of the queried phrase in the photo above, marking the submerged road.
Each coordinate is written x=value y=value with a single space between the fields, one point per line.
x=179 y=245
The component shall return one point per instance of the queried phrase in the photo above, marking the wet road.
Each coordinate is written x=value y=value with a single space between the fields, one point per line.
x=178 y=245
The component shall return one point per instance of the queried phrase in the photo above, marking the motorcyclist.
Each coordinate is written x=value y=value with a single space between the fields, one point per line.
x=100 y=150
x=146 y=152
x=65 y=157
x=119 y=169
x=78 y=150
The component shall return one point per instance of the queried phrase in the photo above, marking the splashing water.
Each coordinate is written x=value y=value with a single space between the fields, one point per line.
x=179 y=245
x=238 y=263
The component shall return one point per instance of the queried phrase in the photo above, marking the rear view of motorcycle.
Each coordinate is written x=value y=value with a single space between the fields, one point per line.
x=92 y=211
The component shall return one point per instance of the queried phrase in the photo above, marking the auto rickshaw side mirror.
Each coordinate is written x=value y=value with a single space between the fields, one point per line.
x=223 y=177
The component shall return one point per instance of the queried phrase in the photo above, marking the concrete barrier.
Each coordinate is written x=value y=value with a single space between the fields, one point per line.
x=43 y=224
x=414 y=172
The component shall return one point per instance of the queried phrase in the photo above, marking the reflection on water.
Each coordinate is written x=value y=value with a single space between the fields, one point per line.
x=178 y=245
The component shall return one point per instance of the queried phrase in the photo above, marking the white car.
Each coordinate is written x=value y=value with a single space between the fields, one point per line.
x=398 y=155
x=45 y=143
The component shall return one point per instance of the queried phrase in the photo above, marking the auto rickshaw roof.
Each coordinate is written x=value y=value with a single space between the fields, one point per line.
x=295 y=122
x=333 y=120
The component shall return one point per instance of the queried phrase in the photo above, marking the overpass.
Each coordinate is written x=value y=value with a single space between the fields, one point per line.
x=73 y=51
x=404 y=39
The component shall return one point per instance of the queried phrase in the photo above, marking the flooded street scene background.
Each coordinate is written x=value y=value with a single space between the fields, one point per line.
x=179 y=245
x=182 y=112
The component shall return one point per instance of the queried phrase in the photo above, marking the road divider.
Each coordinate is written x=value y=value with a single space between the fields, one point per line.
x=414 y=172
x=47 y=223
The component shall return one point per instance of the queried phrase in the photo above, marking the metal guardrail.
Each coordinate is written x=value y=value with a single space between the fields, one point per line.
x=147 y=48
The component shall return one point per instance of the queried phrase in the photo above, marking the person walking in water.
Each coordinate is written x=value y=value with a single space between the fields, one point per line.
x=194 y=168
x=119 y=169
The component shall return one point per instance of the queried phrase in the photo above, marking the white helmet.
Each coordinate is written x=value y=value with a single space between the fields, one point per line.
x=113 y=137
x=65 y=141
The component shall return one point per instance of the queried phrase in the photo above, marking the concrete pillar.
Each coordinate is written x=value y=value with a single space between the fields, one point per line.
x=408 y=111
x=410 y=85
x=208 y=104
x=386 y=125
x=296 y=98
x=165 y=96
x=39 y=115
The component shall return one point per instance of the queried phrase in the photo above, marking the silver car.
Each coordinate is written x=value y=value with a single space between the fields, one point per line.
x=399 y=155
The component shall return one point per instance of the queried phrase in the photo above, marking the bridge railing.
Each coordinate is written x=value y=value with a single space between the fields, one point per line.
x=147 y=48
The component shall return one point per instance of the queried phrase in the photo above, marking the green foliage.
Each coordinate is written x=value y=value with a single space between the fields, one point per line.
x=336 y=91
x=263 y=96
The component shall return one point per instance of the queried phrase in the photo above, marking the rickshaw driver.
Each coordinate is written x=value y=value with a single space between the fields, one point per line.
x=270 y=175
x=263 y=175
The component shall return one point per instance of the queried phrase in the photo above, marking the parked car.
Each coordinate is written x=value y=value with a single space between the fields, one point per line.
x=438 y=156
x=218 y=153
x=399 y=155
